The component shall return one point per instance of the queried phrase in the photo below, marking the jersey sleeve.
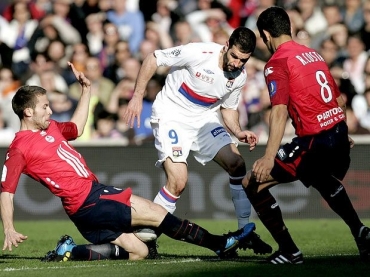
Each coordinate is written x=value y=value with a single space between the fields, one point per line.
x=277 y=81
x=68 y=130
x=177 y=56
x=12 y=170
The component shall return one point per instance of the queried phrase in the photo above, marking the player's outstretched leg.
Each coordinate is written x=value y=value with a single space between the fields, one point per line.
x=234 y=239
x=363 y=243
x=62 y=252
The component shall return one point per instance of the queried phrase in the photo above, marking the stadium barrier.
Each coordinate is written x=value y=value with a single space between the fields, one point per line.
x=207 y=193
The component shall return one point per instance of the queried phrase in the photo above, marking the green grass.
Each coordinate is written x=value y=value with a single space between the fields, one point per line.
x=327 y=245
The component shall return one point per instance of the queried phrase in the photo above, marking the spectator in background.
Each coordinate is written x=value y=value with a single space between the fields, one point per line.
x=355 y=62
x=131 y=67
x=115 y=71
x=6 y=52
x=53 y=27
x=333 y=17
x=57 y=53
x=157 y=36
x=352 y=15
x=9 y=84
x=312 y=15
x=62 y=105
x=166 y=16
x=361 y=108
x=42 y=70
x=127 y=133
x=110 y=40
x=206 y=21
x=354 y=126
x=105 y=127
x=130 y=24
x=36 y=8
x=365 y=28
x=95 y=34
x=183 y=33
x=6 y=133
x=79 y=56
x=101 y=91
x=123 y=90
x=20 y=30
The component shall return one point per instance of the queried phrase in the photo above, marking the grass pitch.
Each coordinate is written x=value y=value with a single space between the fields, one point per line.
x=328 y=248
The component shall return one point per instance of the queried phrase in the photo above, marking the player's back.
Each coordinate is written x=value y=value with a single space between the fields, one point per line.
x=313 y=93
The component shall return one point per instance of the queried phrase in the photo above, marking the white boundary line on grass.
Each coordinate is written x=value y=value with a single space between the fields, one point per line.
x=10 y=269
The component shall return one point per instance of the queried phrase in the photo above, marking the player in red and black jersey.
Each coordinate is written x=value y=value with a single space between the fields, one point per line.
x=103 y=214
x=301 y=87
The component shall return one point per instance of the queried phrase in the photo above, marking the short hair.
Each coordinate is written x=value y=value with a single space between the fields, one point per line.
x=26 y=97
x=244 y=39
x=274 y=20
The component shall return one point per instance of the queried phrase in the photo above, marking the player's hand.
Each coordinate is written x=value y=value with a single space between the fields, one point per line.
x=133 y=111
x=81 y=78
x=262 y=168
x=351 y=142
x=12 y=238
x=249 y=138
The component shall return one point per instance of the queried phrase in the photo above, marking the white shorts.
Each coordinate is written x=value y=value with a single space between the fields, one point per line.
x=175 y=135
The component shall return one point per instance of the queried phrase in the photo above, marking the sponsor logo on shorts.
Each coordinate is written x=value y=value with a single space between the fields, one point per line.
x=217 y=131
x=176 y=151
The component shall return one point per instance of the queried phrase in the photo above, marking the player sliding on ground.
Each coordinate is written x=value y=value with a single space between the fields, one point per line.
x=102 y=214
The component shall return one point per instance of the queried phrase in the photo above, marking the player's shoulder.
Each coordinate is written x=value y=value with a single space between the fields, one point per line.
x=204 y=47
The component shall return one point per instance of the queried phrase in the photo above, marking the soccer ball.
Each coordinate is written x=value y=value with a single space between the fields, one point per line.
x=145 y=234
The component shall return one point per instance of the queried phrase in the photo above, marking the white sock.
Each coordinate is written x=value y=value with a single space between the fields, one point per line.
x=166 y=199
x=241 y=202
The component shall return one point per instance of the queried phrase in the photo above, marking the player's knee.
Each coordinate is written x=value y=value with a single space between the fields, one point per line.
x=250 y=184
x=237 y=166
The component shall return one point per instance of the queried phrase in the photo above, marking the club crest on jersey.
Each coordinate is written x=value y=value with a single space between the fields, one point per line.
x=176 y=151
x=272 y=88
x=49 y=138
x=268 y=71
x=204 y=78
x=174 y=53
x=230 y=83
x=218 y=131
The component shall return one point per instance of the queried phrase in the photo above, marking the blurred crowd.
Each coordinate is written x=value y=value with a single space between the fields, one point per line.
x=108 y=40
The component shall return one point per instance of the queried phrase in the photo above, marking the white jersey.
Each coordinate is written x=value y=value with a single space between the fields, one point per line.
x=196 y=83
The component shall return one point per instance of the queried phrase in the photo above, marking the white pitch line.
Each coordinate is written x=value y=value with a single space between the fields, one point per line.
x=9 y=269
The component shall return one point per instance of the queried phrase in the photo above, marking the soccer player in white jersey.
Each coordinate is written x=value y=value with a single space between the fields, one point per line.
x=205 y=79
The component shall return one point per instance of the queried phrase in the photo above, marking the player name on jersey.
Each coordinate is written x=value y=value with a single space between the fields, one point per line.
x=309 y=57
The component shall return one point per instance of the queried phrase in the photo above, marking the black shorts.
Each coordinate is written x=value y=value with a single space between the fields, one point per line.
x=105 y=214
x=309 y=158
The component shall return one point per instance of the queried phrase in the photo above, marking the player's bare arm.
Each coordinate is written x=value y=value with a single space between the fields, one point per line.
x=82 y=110
x=342 y=105
x=135 y=106
x=231 y=120
x=262 y=167
x=11 y=236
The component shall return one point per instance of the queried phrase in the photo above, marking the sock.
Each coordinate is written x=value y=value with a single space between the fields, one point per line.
x=166 y=200
x=270 y=215
x=338 y=200
x=241 y=202
x=185 y=230
x=91 y=252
